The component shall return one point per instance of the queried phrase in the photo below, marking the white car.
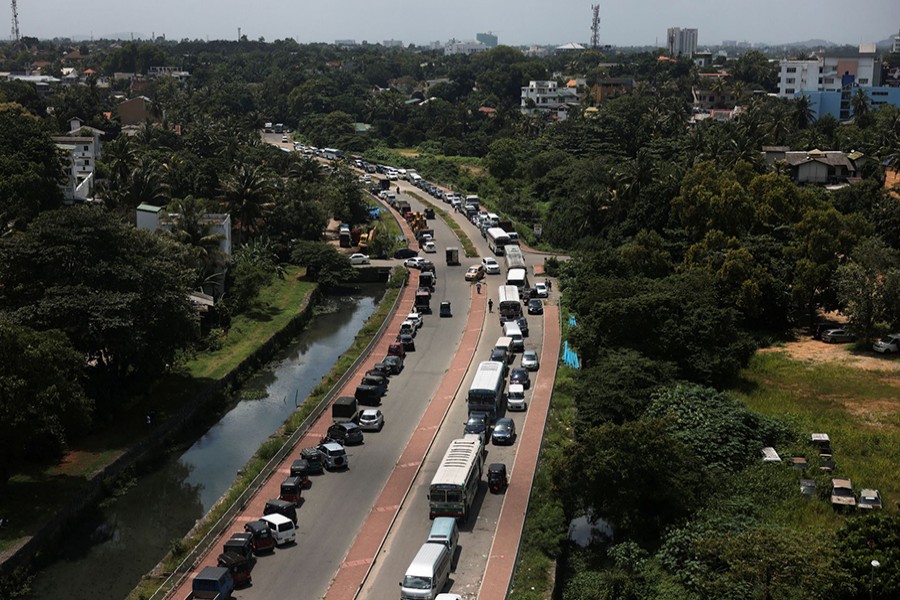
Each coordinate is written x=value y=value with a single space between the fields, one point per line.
x=540 y=289
x=530 y=360
x=888 y=344
x=371 y=419
x=359 y=259
x=416 y=319
x=284 y=139
x=414 y=263
x=491 y=266
x=429 y=248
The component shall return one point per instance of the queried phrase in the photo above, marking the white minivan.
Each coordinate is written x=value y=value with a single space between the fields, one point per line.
x=515 y=400
x=511 y=330
x=427 y=574
x=282 y=528
x=444 y=531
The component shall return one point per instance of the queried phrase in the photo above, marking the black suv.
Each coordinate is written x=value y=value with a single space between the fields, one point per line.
x=345 y=434
x=311 y=455
x=478 y=424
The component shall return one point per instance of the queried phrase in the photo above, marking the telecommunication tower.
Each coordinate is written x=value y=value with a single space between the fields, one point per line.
x=595 y=26
x=15 y=23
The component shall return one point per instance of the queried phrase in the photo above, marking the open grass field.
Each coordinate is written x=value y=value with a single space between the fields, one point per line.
x=858 y=408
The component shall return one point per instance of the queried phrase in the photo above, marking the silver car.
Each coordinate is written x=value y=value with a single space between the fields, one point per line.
x=371 y=420
x=836 y=336
x=888 y=344
x=530 y=360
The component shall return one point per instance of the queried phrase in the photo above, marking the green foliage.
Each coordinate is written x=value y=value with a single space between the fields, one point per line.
x=717 y=428
x=119 y=293
x=42 y=404
x=868 y=286
x=324 y=263
x=869 y=537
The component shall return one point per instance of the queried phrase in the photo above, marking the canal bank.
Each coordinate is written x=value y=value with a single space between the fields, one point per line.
x=111 y=547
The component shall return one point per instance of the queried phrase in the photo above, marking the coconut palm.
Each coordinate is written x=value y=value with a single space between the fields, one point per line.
x=860 y=103
x=804 y=115
x=247 y=195
x=190 y=226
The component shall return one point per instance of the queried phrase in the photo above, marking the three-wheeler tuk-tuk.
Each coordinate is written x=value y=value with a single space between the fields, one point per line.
x=240 y=567
x=263 y=540
x=290 y=490
x=300 y=469
x=497 y=477
x=240 y=544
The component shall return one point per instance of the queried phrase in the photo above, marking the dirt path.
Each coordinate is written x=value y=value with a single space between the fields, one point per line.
x=811 y=351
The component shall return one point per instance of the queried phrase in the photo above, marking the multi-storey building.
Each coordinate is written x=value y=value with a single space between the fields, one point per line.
x=455 y=46
x=681 y=42
x=488 y=39
x=548 y=98
x=80 y=149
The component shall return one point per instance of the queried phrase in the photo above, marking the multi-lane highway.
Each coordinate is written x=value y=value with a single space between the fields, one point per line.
x=336 y=507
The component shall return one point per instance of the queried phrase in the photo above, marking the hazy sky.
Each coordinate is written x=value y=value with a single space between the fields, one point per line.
x=624 y=23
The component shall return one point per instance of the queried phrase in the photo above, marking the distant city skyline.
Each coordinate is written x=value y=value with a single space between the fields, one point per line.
x=523 y=22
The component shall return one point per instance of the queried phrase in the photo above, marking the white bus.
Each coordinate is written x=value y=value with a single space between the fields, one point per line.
x=514 y=257
x=486 y=391
x=517 y=278
x=508 y=302
x=497 y=239
x=332 y=153
x=455 y=483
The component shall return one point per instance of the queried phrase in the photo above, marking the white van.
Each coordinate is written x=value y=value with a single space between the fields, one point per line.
x=427 y=574
x=515 y=400
x=511 y=330
x=444 y=531
x=282 y=528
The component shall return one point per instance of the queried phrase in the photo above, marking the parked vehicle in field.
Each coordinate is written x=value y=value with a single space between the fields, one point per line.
x=842 y=493
x=869 y=500
x=889 y=344
x=359 y=259
x=837 y=336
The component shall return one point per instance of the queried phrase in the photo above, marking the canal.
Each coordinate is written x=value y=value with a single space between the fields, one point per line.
x=104 y=557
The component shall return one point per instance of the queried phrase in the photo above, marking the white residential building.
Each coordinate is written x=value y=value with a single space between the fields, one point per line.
x=681 y=42
x=548 y=98
x=455 y=46
x=80 y=149
x=896 y=47
x=830 y=73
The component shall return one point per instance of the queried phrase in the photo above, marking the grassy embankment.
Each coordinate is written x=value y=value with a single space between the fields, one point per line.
x=46 y=489
x=179 y=548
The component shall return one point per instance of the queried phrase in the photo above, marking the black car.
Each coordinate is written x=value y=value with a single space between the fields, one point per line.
x=394 y=363
x=380 y=370
x=345 y=434
x=504 y=432
x=408 y=342
x=520 y=375
x=522 y=322
x=405 y=253
x=445 y=309
x=426 y=265
x=499 y=355
x=379 y=381
x=477 y=424
x=535 y=307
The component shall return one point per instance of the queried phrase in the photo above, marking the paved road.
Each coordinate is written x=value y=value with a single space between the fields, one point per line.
x=334 y=508
x=413 y=524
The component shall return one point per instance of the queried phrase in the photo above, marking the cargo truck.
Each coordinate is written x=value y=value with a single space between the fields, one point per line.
x=345 y=409
x=452 y=256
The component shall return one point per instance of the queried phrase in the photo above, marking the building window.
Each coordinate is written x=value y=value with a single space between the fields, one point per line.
x=863 y=81
x=829 y=80
x=879 y=93
x=792 y=69
x=789 y=91
x=820 y=81
x=790 y=80
x=86 y=148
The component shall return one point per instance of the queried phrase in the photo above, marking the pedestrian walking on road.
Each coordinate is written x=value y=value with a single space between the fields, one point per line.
x=398 y=189
x=490 y=306
x=478 y=287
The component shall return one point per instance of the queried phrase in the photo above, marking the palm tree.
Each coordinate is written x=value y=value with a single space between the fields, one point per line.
x=804 y=114
x=247 y=195
x=860 y=103
x=190 y=227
